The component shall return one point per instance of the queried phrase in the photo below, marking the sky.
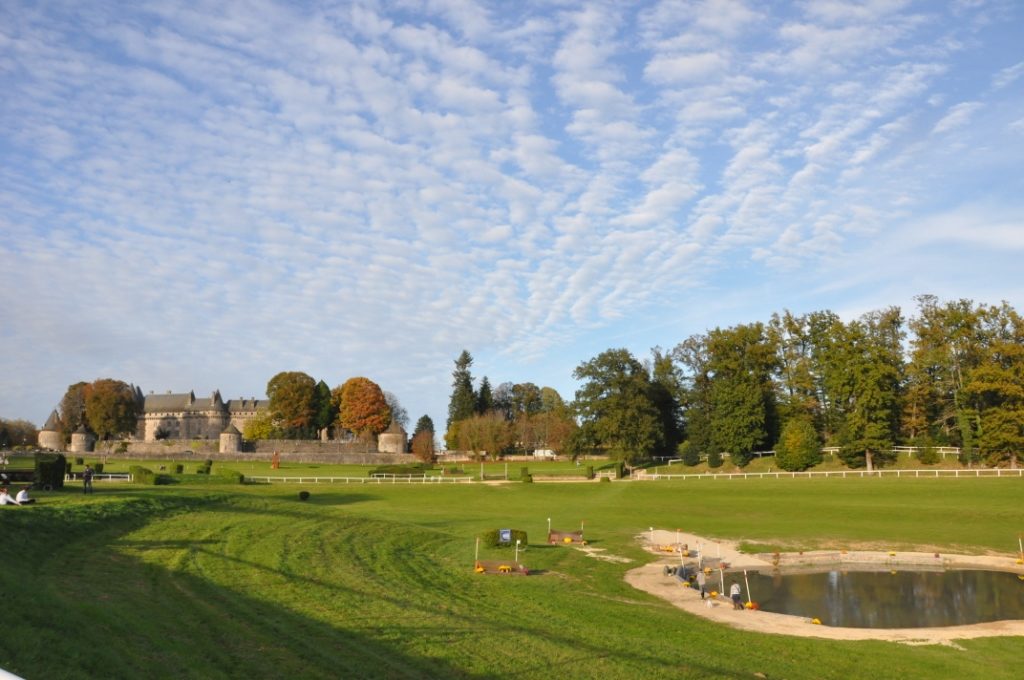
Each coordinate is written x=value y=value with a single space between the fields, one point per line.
x=199 y=195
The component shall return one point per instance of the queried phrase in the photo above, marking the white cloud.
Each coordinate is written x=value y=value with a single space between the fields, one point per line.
x=956 y=117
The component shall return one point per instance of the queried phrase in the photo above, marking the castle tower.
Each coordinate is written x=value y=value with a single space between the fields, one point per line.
x=392 y=440
x=49 y=436
x=230 y=440
x=81 y=440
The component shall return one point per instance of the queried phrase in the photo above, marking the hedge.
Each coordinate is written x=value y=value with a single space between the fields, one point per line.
x=490 y=538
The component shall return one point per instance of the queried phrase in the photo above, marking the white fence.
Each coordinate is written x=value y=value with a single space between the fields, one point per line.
x=376 y=479
x=977 y=472
x=100 y=477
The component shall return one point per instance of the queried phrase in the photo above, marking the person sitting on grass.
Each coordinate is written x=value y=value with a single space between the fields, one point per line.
x=6 y=498
x=23 y=498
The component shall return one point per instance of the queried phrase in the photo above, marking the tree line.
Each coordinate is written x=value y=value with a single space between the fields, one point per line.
x=951 y=375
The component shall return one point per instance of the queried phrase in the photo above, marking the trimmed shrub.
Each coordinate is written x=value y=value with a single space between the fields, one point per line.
x=490 y=538
x=49 y=470
x=714 y=459
x=229 y=475
x=67 y=468
x=142 y=475
x=620 y=469
x=524 y=472
x=590 y=472
x=606 y=479
x=79 y=460
x=97 y=467
x=689 y=454
x=527 y=478
x=179 y=469
x=303 y=495
x=122 y=447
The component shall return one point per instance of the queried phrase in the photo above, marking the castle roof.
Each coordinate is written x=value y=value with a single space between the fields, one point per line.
x=52 y=423
x=236 y=405
x=231 y=429
x=163 y=403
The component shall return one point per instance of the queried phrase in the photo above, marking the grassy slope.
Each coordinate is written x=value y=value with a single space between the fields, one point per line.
x=377 y=581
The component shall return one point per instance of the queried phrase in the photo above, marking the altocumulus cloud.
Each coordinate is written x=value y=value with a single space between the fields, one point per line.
x=198 y=195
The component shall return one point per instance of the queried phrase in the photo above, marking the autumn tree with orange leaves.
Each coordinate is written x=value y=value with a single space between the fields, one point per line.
x=364 y=409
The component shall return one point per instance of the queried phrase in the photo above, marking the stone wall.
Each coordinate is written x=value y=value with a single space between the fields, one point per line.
x=295 y=451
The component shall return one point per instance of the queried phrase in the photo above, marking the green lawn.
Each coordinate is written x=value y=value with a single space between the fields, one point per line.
x=377 y=581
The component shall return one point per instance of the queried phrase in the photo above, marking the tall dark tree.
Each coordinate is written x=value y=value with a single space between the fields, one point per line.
x=462 y=404
x=424 y=424
x=325 y=411
x=292 y=396
x=667 y=393
x=484 y=398
x=503 y=401
x=111 y=408
x=616 y=408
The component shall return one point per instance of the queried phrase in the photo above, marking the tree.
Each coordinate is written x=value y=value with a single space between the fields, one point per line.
x=615 y=406
x=667 y=391
x=874 y=368
x=995 y=387
x=292 y=397
x=423 y=446
x=111 y=408
x=364 y=410
x=398 y=413
x=485 y=434
x=325 y=411
x=551 y=401
x=424 y=424
x=484 y=399
x=798 y=447
x=72 y=409
x=260 y=427
x=17 y=433
x=462 y=404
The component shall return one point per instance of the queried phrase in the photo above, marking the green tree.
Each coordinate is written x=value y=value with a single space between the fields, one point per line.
x=874 y=367
x=462 y=404
x=325 y=411
x=995 y=387
x=484 y=398
x=551 y=401
x=72 y=410
x=424 y=424
x=798 y=447
x=364 y=410
x=487 y=434
x=292 y=396
x=111 y=408
x=261 y=426
x=667 y=394
x=615 y=406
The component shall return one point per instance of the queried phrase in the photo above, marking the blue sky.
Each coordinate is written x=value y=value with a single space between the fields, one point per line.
x=200 y=195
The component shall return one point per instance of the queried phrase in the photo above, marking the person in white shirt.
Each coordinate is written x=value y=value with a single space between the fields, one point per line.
x=23 y=498
x=735 y=593
x=6 y=498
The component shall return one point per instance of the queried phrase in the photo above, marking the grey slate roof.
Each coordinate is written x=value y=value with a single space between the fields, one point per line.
x=52 y=423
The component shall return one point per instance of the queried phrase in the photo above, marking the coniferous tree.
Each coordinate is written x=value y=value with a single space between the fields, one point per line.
x=484 y=399
x=462 y=404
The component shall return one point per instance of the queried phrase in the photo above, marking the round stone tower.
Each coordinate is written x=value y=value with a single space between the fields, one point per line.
x=392 y=440
x=81 y=440
x=230 y=440
x=49 y=436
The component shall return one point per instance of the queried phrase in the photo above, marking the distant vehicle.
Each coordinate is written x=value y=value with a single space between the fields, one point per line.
x=543 y=453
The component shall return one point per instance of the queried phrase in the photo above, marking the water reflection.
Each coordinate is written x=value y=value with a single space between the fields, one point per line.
x=892 y=599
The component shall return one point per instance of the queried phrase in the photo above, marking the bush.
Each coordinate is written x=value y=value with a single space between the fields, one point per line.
x=141 y=475
x=606 y=479
x=403 y=469
x=179 y=469
x=927 y=454
x=79 y=460
x=590 y=472
x=97 y=467
x=49 y=470
x=714 y=459
x=527 y=478
x=689 y=454
x=798 y=447
x=303 y=495
x=524 y=472
x=122 y=447
x=230 y=475
x=490 y=538
x=620 y=469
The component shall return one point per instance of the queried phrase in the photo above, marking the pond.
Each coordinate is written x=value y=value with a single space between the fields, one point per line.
x=889 y=599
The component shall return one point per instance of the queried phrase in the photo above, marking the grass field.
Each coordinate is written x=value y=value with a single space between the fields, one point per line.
x=377 y=581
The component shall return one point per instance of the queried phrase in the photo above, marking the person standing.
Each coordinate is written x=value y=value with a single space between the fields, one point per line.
x=734 y=593
x=87 y=479
x=701 y=582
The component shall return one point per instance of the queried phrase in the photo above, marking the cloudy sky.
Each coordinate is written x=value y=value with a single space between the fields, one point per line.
x=198 y=195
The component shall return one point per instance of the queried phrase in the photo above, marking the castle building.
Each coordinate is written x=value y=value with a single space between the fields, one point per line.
x=183 y=416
